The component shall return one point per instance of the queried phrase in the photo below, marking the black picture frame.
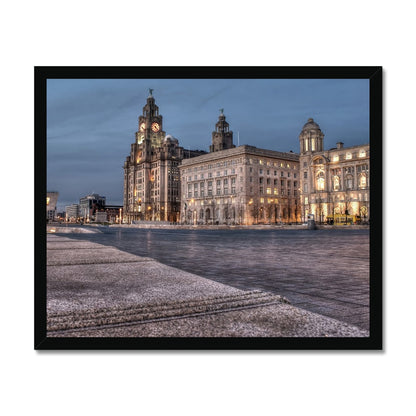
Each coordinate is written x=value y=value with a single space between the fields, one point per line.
x=373 y=342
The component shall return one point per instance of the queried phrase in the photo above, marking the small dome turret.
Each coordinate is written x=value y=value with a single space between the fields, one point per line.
x=311 y=137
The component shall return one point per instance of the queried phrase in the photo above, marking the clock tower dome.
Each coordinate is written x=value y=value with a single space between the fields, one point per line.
x=222 y=137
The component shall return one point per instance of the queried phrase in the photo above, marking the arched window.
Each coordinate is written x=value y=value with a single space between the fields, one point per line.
x=335 y=183
x=363 y=181
x=201 y=214
x=349 y=182
x=320 y=181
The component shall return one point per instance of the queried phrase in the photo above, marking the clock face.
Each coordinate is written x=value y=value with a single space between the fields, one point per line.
x=155 y=127
x=142 y=127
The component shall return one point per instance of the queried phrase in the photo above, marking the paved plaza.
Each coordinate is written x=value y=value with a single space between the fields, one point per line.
x=95 y=290
x=323 y=271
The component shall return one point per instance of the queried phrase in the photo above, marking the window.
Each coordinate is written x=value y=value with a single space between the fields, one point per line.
x=305 y=175
x=362 y=153
x=363 y=180
x=335 y=183
x=269 y=191
x=349 y=182
x=320 y=181
x=260 y=180
x=348 y=156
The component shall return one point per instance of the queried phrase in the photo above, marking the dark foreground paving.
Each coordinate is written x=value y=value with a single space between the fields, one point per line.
x=98 y=291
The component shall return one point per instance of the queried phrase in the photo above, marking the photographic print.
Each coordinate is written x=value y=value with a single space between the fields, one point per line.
x=208 y=207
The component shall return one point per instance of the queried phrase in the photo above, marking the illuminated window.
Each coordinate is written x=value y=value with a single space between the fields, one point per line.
x=275 y=191
x=47 y=200
x=335 y=158
x=362 y=153
x=363 y=181
x=336 y=183
x=261 y=200
x=320 y=181
x=348 y=155
x=269 y=191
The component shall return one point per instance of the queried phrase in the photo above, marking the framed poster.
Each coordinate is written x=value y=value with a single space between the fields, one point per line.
x=208 y=208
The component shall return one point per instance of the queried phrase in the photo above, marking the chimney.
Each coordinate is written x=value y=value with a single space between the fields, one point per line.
x=340 y=145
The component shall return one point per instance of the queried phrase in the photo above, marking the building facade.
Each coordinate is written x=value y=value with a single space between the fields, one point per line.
x=151 y=171
x=89 y=205
x=244 y=184
x=72 y=213
x=239 y=185
x=51 y=201
x=333 y=182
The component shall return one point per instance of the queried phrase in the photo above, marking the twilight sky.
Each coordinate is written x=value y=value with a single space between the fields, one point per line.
x=91 y=123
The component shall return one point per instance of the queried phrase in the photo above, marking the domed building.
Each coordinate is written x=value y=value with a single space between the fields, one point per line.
x=334 y=183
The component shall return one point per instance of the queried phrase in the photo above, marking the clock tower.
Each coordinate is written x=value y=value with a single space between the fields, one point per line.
x=150 y=123
x=222 y=137
x=151 y=171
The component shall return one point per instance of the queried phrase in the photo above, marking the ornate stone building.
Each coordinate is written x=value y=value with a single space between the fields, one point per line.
x=239 y=185
x=244 y=184
x=334 y=181
x=151 y=171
